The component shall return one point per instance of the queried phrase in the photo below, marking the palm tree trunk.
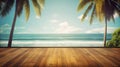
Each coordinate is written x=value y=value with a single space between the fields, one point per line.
x=105 y=32
x=12 y=29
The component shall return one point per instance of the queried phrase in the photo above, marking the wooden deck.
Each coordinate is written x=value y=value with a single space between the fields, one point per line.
x=59 y=57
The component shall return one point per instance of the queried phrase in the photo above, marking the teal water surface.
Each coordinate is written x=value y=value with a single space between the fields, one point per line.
x=55 y=37
x=54 y=40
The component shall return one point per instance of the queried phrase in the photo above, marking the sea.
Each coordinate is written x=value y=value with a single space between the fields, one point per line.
x=54 y=40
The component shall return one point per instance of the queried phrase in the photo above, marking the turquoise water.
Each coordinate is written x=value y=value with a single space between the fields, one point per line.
x=55 y=37
x=54 y=40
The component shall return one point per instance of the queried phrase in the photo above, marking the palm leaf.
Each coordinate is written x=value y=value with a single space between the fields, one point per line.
x=116 y=5
x=27 y=9
x=3 y=0
x=36 y=7
x=92 y=15
x=6 y=9
x=0 y=6
x=20 y=7
x=82 y=4
x=41 y=3
x=87 y=11
x=99 y=11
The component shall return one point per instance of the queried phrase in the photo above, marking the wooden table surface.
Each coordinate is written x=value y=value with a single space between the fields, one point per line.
x=59 y=57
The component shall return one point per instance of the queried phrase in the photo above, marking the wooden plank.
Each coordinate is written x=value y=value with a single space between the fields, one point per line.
x=59 y=57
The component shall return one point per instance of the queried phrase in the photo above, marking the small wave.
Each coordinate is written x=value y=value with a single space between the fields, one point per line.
x=53 y=43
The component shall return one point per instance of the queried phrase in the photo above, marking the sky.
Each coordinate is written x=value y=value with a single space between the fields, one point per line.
x=58 y=17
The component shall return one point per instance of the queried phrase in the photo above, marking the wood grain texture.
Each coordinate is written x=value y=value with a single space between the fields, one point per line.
x=59 y=57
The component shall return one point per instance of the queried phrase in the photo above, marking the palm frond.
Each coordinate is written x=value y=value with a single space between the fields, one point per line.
x=2 y=3
x=99 y=11
x=27 y=9
x=41 y=3
x=20 y=7
x=6 y=9
x=36 y=7
x=116 y=5
x=3 y=0
x=103 y=9
x=92 y=15
x=0 y=6
x=87 y=11
x=82 y=4
x=109 y=9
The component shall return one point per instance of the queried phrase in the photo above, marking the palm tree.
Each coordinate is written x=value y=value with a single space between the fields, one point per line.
x=19 y=5
x=103 y=9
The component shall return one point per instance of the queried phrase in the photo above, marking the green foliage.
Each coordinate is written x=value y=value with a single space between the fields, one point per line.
x=115 y=41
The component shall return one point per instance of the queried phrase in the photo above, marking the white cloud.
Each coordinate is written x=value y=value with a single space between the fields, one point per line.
x=80 y=17
x=64 y=24
x=65 y=27
x=54 y=21
x=16 y=28
x=54 y=18
x=55 y=15
x=37 y=17
x=115 y=15
x=101 y=30
x=6 y=25
x=21 y=32
x=6 y=28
